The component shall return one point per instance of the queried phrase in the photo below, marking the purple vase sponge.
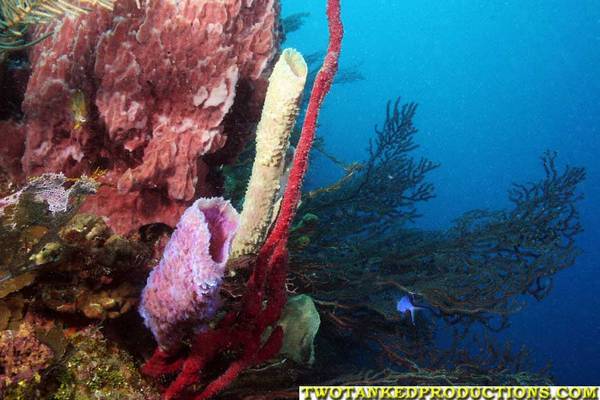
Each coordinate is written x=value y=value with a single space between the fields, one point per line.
x=182 y=292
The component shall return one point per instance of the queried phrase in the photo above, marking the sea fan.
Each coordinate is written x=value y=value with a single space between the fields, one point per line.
x=16 y=16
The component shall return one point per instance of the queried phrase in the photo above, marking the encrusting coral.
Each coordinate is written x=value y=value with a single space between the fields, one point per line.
x=86 y=365
x=96 y=304
x=22 y=355
x=281 y=107
x=50 y=189
x=183 y=290
x=30 y=221
x=74 y=262
x=95 y=368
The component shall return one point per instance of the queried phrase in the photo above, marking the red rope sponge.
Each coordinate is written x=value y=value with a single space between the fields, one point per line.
x=321 y=87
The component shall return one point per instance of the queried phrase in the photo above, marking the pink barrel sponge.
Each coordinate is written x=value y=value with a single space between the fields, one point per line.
x=168 y=90
x=182 y=292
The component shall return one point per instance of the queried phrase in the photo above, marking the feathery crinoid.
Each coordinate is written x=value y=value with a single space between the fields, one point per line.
x=16 y=16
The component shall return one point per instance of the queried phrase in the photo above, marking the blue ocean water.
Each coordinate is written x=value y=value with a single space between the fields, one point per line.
x=497 y=83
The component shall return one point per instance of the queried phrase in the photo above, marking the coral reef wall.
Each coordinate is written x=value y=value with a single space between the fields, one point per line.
x=156 y=96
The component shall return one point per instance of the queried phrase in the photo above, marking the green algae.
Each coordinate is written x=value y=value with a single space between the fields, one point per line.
x=96 y=369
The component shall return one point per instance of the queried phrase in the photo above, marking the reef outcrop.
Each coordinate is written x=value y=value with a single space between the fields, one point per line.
x=159 y=96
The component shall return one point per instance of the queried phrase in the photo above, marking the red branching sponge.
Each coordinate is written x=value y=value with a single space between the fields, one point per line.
x=243 y=330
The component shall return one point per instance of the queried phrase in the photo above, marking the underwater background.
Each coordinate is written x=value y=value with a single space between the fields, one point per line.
x=196 y=202
x=497 y=83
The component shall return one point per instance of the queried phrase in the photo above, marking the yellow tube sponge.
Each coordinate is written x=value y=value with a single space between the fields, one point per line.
x=281 y=107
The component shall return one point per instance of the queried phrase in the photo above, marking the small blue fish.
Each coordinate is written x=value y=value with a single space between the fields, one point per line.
x=405 y=304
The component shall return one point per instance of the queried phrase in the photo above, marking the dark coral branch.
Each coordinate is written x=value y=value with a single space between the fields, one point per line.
x=378 y=194
x=293 y=22
x=364 y=258
x=474 y=272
